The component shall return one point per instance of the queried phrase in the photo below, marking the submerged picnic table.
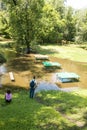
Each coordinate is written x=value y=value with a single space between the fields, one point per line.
x=67 y=76
x=51 y=64
x=41 y=57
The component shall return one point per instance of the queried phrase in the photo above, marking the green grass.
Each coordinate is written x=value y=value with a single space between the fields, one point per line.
x=47 y=111
x=71 y=106
x=71 y=52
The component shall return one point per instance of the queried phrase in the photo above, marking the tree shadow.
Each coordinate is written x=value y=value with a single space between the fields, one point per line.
x=28 y=63
x=66 y=104
x=21 y=64
x=46 y=51
x=25 y=113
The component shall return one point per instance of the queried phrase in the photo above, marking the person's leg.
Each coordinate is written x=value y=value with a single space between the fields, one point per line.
x=8 y=101
x=32 y=93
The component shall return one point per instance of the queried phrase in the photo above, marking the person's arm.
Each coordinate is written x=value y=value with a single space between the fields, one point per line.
x=35 y=84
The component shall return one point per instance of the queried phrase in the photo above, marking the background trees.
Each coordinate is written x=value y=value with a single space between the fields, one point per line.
x=51 y=22
x=43 y=21
x=81 y=26
x=70 y=29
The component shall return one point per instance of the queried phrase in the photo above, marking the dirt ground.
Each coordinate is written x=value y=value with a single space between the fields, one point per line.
x=24 y=67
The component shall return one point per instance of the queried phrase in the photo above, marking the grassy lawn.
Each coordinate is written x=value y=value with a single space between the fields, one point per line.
x=71 y=52
x=47 y=111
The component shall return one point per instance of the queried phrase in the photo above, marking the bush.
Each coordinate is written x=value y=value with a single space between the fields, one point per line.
x=2 y=59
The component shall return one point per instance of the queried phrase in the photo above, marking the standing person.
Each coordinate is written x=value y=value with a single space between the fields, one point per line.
x=33 y=85
x=8 y=96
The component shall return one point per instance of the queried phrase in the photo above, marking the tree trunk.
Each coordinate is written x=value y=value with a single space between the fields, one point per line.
x=28 y=48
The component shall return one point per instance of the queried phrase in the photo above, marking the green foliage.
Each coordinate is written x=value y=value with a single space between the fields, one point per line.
x=70 y=29
x=81 y=26
x=4 y=24
x=59 y=6
x=51 y=25
x=43 y=21
x=2 y=59
x=83 y=30
x=24 y=21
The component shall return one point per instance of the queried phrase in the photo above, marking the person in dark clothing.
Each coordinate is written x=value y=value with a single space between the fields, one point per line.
x=33 y=85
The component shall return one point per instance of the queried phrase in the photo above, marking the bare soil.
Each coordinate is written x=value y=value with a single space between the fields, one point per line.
x=24 y=67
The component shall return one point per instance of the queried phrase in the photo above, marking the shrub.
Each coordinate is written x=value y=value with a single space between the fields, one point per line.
x=2 y=59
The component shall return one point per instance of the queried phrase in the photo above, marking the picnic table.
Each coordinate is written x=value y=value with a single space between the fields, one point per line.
x=51 y=64
x=41 y=57
x=67 y=76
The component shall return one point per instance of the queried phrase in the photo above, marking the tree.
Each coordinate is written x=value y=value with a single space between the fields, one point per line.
x=24 y=20
x=59 y=6
x=70 y=30
x=51 y=25
x=81 y=26
x=4 y=24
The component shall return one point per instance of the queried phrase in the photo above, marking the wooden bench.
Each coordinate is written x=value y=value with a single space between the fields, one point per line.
x=11 y=76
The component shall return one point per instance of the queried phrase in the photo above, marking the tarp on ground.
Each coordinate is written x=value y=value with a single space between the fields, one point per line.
x=50 y=64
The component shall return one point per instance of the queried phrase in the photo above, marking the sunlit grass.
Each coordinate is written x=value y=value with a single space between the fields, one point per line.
x=81 y=92
x=71 y=52
x=47 y=111
x=71 y=106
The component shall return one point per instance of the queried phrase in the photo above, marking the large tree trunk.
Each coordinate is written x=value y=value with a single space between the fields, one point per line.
x=28 y=49
x=27 y=43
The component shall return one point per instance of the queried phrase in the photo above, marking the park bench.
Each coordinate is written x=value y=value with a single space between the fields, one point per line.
x=11 y=76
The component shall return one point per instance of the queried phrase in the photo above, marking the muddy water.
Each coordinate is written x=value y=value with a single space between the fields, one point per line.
x=79 y=68
x=25 y=67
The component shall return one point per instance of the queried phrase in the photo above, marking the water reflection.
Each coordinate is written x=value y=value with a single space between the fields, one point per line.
x=3 y=70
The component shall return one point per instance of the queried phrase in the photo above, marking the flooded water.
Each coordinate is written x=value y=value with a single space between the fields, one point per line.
x=24 y=67
x=3 y=70
x=79 y=68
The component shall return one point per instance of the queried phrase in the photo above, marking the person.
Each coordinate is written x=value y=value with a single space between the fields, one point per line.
x=8 y=96
x=33 y=85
